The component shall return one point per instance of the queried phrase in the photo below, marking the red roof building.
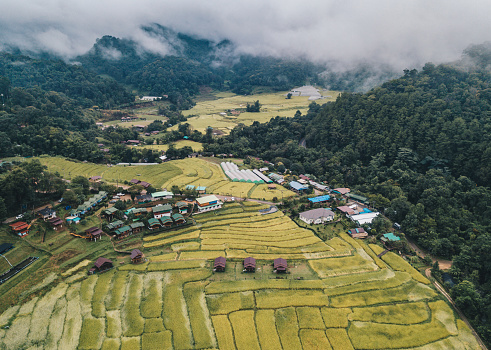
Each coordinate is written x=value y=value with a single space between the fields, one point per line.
x=250 y=264
x=219 y=265
x=101 y=265
x=20 y=228
x=346 y=210
x=280 y=265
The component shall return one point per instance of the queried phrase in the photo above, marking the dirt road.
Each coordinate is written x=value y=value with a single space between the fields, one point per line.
x=444 y=264
x=461 y=315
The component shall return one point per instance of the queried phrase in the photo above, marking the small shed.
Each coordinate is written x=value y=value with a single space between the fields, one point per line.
x=201 y=189
x=280 y=265
x=249 y=264
x=219 y=265
x=101 y=265
x=183 y=207
x=137 y=256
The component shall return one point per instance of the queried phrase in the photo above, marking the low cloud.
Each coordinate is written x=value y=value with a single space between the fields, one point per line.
x=396 y=33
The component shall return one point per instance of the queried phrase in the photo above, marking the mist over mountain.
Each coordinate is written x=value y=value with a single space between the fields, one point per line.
x=372 y=39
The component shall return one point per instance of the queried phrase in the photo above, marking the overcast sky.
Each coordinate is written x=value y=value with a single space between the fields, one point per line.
x=402 y=33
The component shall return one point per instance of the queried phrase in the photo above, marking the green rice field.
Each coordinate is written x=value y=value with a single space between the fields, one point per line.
x=333 y=296
x=208 y=113
x=183 y=172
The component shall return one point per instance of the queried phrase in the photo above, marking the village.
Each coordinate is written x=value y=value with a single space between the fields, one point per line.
x=163 y=211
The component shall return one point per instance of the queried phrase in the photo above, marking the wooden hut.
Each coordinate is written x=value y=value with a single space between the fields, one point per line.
x=358 y=233
x=101 y=265
x=93 y=233
x=56 y=223
x=166 y=221
x=219 y=264
x=178 y=219
x=137 y=227
x=137 y=256
x=153 y=224
x=280 y=265
x=250 y=264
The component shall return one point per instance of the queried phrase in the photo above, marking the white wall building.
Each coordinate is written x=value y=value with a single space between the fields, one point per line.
x=317 y=216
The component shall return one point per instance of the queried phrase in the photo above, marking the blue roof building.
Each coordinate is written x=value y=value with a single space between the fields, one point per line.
x=391 y=237
x=297 y=186
x=320 y=199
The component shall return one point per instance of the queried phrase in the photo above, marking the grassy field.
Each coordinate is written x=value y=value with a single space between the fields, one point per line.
x=334 y=296
x=183 y=172
x=196 y=146
x=207 y=113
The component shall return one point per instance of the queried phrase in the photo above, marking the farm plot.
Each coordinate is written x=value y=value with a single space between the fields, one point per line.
x=335 y=296
x=207 y=113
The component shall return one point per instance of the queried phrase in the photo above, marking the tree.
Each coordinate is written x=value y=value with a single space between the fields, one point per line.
x=256 y=107
x=120 y=205
x=289 y=95
x=467 y=298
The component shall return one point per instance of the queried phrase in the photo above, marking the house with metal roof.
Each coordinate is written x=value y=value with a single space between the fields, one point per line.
x=280 y=265
x=162 y=210
x=219 y=264
x=341 y=190
x=114 y=225
x=365 y=218
x=137 y=256
x=178 y=219
x=137 y=227
x=153 y=224
x=139 y=211
x=358 y=232
x=316 y=216
x=162 y=195
x=249 y=264
x=320 y=199
x=166 y=221
x=208 y=203
x=297 y=186
x=46 y=213
x=357 y=198
x=183 y=207
x=390 y=237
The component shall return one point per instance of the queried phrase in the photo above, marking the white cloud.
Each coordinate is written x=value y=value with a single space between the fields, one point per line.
x=399 y=33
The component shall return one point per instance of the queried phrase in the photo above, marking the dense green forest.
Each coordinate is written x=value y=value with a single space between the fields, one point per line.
x=87 y=88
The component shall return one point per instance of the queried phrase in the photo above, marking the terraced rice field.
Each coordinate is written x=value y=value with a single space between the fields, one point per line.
x=336 y=296
x=189 y=171
x=207 y=113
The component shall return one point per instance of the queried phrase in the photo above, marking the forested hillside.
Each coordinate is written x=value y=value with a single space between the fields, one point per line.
x=419 y=147
x=85 y=87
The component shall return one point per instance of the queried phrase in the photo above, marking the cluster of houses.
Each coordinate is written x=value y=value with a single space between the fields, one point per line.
x=279 y=265
x=85 y=207
x=49 y=215
x=139 y=182
x=360 y=216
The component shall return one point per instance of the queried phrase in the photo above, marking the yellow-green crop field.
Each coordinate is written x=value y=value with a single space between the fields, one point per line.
x=196 y=146
x=336 y=295
x=183 y=172
x=207 y=113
